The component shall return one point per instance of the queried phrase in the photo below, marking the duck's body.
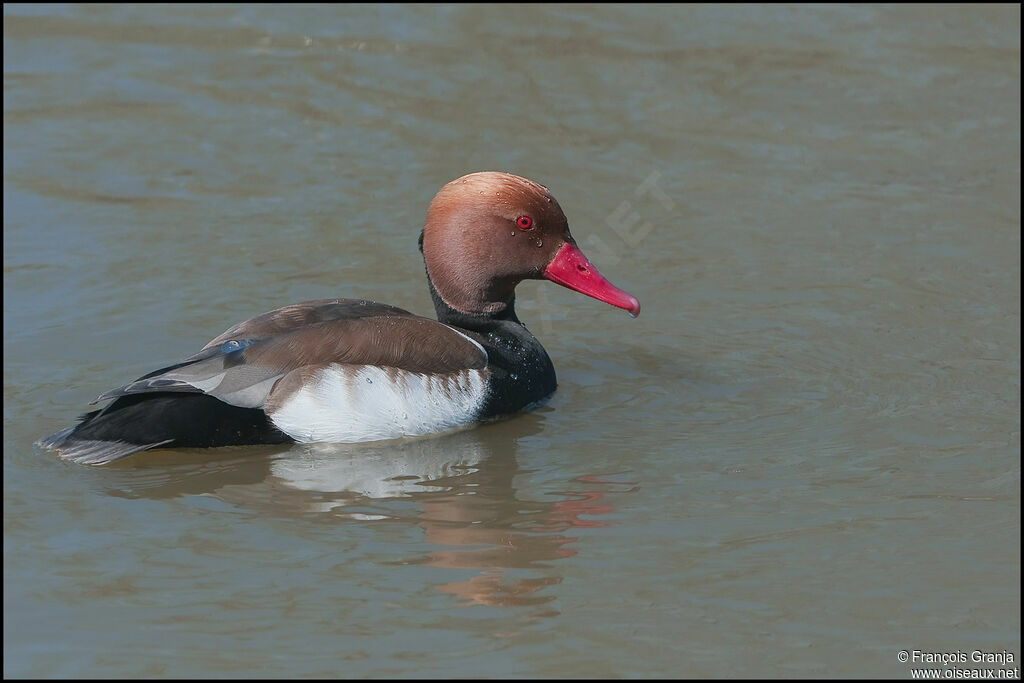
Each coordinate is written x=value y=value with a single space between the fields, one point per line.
x=345 y=370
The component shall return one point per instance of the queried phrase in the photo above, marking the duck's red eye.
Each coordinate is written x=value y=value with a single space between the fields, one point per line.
x=524 y=222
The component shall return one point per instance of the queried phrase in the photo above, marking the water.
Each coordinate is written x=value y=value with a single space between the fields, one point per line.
x=803 y=457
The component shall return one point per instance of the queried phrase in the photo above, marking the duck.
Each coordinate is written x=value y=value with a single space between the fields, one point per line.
x=353 y=370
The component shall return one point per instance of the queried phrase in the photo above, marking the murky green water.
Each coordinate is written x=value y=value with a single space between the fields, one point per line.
x=802 y=458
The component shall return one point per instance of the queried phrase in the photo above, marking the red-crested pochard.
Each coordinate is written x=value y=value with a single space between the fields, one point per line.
x=346 y=370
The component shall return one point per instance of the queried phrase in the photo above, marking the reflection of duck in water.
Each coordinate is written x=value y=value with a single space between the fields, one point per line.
x=345 y=370
x=469 y=509
x=344 y=474
x=465 y=503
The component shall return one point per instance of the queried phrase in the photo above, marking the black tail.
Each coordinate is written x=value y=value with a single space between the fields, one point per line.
x=140 y=422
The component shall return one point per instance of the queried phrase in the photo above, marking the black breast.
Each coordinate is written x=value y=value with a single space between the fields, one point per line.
x=521 y=371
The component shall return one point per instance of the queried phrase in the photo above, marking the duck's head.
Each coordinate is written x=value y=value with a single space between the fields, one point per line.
x=487 y=232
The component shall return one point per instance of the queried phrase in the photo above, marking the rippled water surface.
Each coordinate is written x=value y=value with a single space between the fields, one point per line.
x=803 y=457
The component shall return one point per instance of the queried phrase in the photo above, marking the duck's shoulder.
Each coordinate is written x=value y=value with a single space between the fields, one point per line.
x=247 y=362
x=353 y=331
x=295 y=316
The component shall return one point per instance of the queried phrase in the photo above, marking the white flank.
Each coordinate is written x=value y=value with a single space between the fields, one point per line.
x=346 y=403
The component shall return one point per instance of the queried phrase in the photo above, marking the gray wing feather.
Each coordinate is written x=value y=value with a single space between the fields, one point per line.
x=220 y=372
x=90 y=452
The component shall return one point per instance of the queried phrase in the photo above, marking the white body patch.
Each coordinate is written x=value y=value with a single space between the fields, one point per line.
x=350 y=403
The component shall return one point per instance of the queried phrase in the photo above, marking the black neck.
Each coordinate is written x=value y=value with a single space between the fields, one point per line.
x=521 y=371
x=480 y=322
